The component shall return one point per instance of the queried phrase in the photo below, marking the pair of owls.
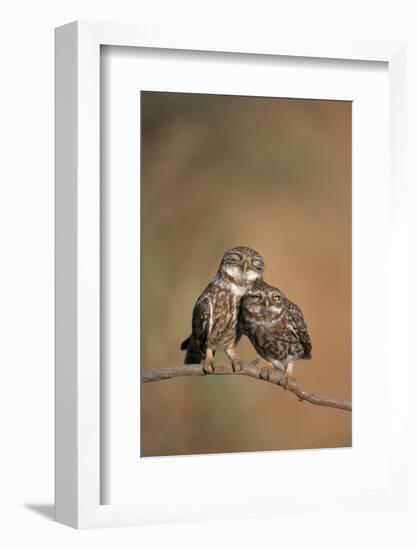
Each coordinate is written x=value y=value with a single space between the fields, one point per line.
x=237 y=301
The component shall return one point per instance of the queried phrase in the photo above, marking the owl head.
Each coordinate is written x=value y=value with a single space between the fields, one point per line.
x=243 y=265
x=264 y=300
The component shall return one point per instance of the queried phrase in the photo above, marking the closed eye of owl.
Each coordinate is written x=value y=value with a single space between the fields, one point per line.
x=242 y=264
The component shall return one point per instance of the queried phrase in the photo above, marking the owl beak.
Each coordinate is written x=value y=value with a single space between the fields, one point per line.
x=266 y=302
x=244 y=266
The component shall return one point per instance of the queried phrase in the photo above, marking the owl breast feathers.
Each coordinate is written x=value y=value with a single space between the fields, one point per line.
x=274 y=325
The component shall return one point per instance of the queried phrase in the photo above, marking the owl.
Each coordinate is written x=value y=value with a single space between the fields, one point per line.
x=275 y=326
x=215 y=314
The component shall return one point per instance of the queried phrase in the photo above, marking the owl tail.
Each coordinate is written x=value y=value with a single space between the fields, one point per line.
x=194 y=353
x=184 y=345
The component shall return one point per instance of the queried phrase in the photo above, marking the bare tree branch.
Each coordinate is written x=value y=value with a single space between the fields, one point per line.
x=267 y=374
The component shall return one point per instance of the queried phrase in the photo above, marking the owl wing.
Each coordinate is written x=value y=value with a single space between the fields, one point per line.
x=197 y=343
x=299 y=328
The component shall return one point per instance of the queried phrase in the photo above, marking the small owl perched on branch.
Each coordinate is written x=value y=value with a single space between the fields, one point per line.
x=275 y=326
x=215 y=314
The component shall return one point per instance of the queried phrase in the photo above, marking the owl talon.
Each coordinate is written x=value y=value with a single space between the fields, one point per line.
x=208 y=367
x=265 y=373
x=285 y=380
x=236 y=365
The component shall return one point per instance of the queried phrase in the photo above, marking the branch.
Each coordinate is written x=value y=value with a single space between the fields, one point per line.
x=267 y=374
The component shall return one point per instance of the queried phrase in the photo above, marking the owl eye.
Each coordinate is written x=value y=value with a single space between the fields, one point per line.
x=255 y=297
x=276 y=298
x=257 y=265
x=235 y=257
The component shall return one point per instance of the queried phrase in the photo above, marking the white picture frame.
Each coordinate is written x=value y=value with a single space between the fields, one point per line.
x=78 y=406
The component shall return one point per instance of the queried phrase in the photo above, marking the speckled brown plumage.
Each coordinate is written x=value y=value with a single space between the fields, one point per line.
x=275 y=326
x=215 y=315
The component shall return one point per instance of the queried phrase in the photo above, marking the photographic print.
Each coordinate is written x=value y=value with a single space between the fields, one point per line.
x=246 y=255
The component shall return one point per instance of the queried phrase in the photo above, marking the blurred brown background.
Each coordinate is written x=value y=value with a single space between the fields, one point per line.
x=273 y=174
